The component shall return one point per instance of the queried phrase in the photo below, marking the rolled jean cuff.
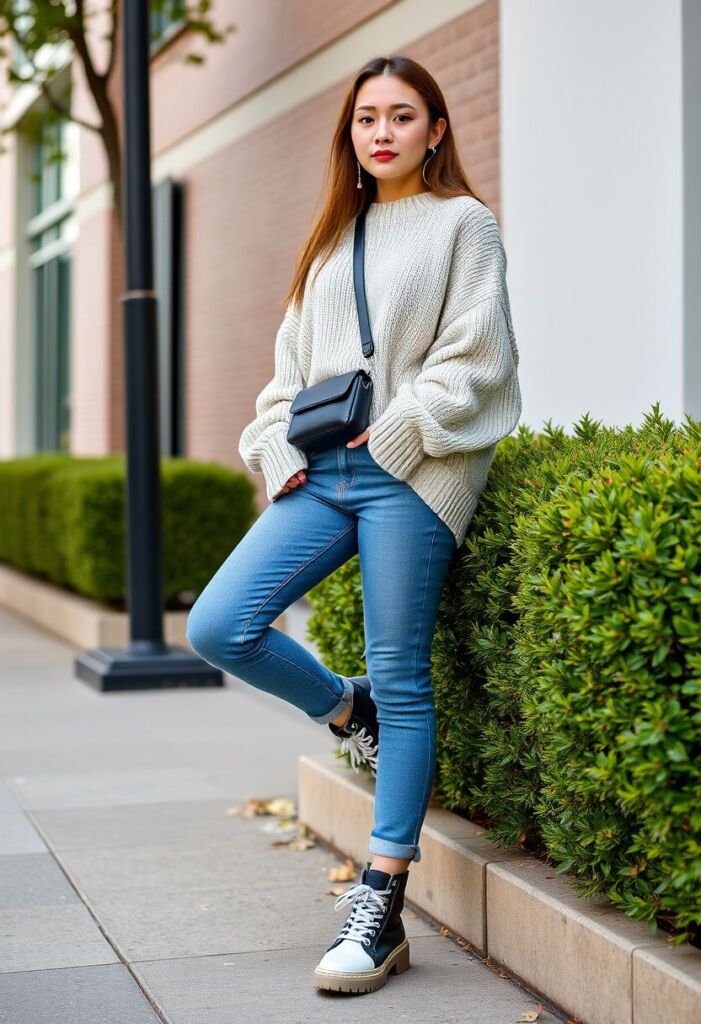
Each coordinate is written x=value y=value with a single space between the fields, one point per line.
x=386 y=848
x=341 y=703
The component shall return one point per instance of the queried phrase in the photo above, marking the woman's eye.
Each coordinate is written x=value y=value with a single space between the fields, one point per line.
x=361 y=119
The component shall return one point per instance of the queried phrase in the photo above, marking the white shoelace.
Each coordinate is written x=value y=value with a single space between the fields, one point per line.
x=360 y=747
x=368 y=908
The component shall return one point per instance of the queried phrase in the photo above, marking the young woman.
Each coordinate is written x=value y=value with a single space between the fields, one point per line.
x=401 y=494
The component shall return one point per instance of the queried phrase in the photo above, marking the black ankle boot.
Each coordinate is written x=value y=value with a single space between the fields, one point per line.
x=372 y=942
x=360 y=732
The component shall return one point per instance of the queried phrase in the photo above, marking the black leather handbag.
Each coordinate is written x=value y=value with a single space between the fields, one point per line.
x=336 y=410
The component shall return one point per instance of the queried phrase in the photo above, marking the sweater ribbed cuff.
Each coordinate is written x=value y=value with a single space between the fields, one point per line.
x=279 y=461
x=395 y=442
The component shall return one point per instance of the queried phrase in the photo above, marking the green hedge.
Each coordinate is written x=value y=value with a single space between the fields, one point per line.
x=63 y=518
x=567 y=661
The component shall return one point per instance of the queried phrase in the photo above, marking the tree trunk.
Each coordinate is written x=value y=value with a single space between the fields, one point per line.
x=113 y=151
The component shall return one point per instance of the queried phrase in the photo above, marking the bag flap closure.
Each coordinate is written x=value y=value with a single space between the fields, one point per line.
x=325 y=391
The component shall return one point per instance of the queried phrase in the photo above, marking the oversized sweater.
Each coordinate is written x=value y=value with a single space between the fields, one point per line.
x=444 y=369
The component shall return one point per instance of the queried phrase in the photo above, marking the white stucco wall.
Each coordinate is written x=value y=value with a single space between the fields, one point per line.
x=592 y=203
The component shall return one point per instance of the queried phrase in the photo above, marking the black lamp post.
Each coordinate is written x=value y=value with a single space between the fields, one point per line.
x=147 y=662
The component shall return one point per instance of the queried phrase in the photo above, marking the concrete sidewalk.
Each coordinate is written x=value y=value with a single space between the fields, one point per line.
x=128 y=895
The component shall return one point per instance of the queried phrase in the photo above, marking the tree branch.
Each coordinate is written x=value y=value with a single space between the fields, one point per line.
x=75 y=29
x=39 y=78
x=64 y=111
x=113 y=42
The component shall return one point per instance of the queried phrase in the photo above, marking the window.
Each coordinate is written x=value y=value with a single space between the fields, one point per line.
x=24 y=22
x=167 y=18
x=50 y=237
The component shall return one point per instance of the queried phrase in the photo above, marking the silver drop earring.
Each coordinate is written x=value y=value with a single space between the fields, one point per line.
x=423 y=172
x=360 y=184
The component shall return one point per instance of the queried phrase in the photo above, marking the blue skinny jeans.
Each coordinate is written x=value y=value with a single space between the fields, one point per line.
x=348 y=505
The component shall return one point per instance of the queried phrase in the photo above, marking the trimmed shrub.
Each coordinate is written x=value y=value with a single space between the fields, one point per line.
x=63 y=519
x=614 y=661
x=566 y=661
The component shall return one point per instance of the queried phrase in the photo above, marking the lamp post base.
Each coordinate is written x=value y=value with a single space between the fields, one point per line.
x=118 y=668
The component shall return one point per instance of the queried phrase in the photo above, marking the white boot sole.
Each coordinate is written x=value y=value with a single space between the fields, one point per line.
x=364 y=981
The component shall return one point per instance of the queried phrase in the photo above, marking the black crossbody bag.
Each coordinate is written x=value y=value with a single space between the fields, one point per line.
x=334 y=411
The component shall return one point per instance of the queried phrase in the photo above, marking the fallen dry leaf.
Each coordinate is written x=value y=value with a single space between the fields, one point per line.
x=285 y=811
x=292 y=842
x=278 y=826
x=255 y=805
x=345 y=873
x=337 y=891
x=301 y=844
x=530 y=1014
x=282 y=806
x=252 y=806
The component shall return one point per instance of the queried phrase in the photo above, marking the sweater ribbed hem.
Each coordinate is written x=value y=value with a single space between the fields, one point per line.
x=446 y=492
x=279 y=461
x=395 y=443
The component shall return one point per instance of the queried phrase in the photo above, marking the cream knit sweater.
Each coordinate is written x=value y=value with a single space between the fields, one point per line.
x=444 y=370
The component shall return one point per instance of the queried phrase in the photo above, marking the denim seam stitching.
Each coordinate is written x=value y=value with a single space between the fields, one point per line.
x=292 y=575
x=339 y=486
x=416 y=660
x=274 y=654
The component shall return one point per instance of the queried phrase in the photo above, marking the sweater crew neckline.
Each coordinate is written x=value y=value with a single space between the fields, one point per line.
x=406 y=202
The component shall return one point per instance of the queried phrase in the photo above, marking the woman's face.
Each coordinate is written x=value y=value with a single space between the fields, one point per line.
x=396 y=119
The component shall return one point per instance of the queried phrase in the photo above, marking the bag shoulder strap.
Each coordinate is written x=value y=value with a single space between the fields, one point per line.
x=359 y=284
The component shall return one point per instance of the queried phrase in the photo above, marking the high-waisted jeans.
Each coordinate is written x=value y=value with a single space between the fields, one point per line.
x=348 y=505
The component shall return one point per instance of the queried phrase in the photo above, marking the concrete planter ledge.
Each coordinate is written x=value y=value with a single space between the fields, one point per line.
x=77 y=619
x=583 y=956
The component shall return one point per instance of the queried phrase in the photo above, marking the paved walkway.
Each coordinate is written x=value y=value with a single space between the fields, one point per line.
x=129 y=896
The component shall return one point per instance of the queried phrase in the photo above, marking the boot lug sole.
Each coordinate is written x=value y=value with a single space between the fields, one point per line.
x=365 y=981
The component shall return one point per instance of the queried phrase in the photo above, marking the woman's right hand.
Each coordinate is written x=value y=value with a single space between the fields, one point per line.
x=295 y=480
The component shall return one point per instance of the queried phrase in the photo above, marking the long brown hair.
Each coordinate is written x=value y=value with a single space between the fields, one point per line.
x=344 y=200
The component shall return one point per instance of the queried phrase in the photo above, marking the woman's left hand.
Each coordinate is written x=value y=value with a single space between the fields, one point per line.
x=360 y=439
